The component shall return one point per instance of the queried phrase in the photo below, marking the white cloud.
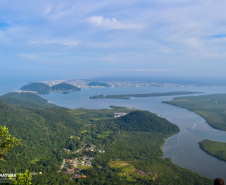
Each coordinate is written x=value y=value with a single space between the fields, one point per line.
x=193 y=43
x=68 y=43
x=47 y=10
x=112 y=23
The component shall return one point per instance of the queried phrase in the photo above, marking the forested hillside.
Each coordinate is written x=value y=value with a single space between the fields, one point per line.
x=64 y=87
x=105 y=150
x=40 y=88
x=26 y=99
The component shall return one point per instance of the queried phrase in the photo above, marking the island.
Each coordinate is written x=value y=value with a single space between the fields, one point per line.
x=128 y=96
x=214 y=148
x=99 y=84
x=64 y=87
x=42 y=88
x=39 y=88
x=210 y=107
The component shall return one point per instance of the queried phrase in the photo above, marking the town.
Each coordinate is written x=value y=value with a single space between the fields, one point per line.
x=74 y=166
x=83 y=83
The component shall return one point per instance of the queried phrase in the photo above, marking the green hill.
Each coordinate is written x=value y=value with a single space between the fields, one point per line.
x=64 y=87
x=25 y=99
x=40 y=88
x=40 y=130
x=145 y=121
x=98 y=84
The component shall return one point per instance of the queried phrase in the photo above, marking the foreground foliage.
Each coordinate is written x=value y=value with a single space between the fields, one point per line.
x=6 y=141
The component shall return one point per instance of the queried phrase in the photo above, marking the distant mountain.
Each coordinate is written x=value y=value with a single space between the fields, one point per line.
x=40 y=88
x=26 y=99
x=98 y=84
x=64 y=87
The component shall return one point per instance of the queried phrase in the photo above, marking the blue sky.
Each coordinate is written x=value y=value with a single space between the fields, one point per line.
x=86 y=38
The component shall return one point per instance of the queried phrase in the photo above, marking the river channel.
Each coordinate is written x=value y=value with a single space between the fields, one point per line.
x=182 y=148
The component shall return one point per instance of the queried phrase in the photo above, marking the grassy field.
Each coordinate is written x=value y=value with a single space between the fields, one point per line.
x=128 y=171
x=211 y=107
x=217 y=149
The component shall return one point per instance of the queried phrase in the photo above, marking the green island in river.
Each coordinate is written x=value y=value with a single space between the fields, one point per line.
x=212 y=109
x=128 y=96
x=85 y=146
x=214 y=148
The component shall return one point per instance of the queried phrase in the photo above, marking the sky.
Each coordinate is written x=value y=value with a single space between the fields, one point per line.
x=87 y=38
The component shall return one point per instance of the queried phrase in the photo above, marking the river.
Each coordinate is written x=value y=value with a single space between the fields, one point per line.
x=182 y=148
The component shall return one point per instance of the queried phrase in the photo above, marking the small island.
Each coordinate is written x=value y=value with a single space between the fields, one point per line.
x=64 y=87
x=128 y=96
x=214 y=148
x=39 y=88
x=42 y=88
x=98 y=84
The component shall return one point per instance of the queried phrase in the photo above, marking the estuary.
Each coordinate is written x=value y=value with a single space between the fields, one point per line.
x=182 y=148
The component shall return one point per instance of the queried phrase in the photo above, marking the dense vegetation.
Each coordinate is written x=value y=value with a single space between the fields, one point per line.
x=134 y=156
x=132 y=145
x=210 y=107
x=217 y=149
x=40 y=88
x=98 y=84
x=128 y=96
x=145 y=121
x=42 y=133
x=64 y=87
x=26 y=99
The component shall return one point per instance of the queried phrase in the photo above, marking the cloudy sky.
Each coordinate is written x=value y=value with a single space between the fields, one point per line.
x=79 y=38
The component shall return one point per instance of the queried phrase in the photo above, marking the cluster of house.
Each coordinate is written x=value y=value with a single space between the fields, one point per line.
x=72 y=166
x=119 y=114
x=92 y=148
x=36 y=173
x=21 y=91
